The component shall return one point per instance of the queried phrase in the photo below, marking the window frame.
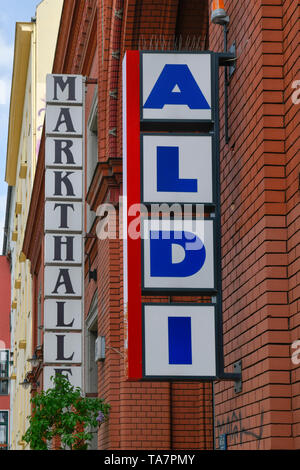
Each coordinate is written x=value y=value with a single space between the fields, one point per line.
x=6 y=424
x=39 y=322
x=90 y=323
x=92 y=138
x=92 y=155
x=6 y=377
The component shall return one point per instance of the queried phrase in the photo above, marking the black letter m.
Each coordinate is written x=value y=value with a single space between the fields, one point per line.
x=70 y=82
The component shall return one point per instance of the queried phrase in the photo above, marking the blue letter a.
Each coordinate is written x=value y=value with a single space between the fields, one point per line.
x=174 y=75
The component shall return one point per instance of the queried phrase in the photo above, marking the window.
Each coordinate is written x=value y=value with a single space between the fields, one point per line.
x=3 y=430
x=92 y=151
x=92 y=139
x=91 y=373
x=4 y=364
x=91 y=333
x=39 y=318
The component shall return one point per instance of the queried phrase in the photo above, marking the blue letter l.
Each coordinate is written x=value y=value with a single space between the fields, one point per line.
x=168 y=172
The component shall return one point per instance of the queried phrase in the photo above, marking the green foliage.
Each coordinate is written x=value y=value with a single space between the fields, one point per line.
x=62 y=412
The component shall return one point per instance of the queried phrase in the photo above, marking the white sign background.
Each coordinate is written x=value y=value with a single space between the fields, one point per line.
x=71 y=342
x=204 y=278
x=53 y=216
x=49 y=248
x=75 y=149
x=53 y=115
x=63 y=280
x=63 y=95
x=72 y=311
x=200 y=67
x=74 y=377
x=52 y=274
x=75 y=179
x=156 y=346
x=195 y=162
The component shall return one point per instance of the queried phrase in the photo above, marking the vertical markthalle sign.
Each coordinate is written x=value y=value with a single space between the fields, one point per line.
x=171 y=157
x=63 y=226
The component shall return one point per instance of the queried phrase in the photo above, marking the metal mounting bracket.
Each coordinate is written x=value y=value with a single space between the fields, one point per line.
x=235 y=376
x=113 y=131
x=119 y=13
x=232 y=65
x=92 y=273
x=113 y=94
x=238 y=383
x=116 y=55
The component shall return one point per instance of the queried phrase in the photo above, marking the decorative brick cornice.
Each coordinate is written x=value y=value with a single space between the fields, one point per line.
x=105 y=186
x=66 y=26
x=77 y=35
x=87 y=40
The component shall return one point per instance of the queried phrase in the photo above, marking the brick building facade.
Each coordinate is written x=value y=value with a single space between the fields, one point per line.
x=260 y=222
x=260 y=227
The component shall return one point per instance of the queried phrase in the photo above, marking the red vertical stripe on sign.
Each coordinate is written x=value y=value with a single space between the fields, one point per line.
x=134 y=268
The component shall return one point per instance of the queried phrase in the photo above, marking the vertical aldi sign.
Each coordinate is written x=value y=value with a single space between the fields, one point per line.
x=169 y=167
x=63 y=224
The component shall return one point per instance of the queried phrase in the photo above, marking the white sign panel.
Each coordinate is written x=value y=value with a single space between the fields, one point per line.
x=64 y=281
x=64 y=89
x=176 y=86
x=62 y=184
x=177 y=168
x=179 y=340
x=63 y=248
x=63 y=314
x=64 y=120
x=73 y=374
x=63 y=224
x=62 y=347
x=63 y=152
x=171 y=166
x=178 y=254
x=63 y=216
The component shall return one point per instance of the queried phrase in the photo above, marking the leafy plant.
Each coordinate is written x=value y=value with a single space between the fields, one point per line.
x=62 y=412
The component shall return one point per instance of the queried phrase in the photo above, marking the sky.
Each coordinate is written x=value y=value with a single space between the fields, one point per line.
x=11 y=11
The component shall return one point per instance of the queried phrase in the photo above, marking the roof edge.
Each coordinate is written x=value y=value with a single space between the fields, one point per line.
x=19 y=77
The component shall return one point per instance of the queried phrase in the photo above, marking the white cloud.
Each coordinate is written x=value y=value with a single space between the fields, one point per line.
x=6 y=52
x=4 y=19
x=2 y=92
x=5 y=85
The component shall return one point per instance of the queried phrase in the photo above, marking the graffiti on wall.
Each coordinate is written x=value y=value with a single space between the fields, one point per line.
x=40 y=122
x=235 y=430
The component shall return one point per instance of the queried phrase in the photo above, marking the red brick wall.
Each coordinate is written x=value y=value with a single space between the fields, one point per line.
x=143 y=415
x=291 y=72
x=258 y=169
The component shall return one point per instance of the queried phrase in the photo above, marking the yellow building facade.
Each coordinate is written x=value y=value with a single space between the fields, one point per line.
x=35 y=44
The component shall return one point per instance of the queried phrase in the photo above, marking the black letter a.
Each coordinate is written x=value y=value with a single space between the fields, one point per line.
x=64 y=279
